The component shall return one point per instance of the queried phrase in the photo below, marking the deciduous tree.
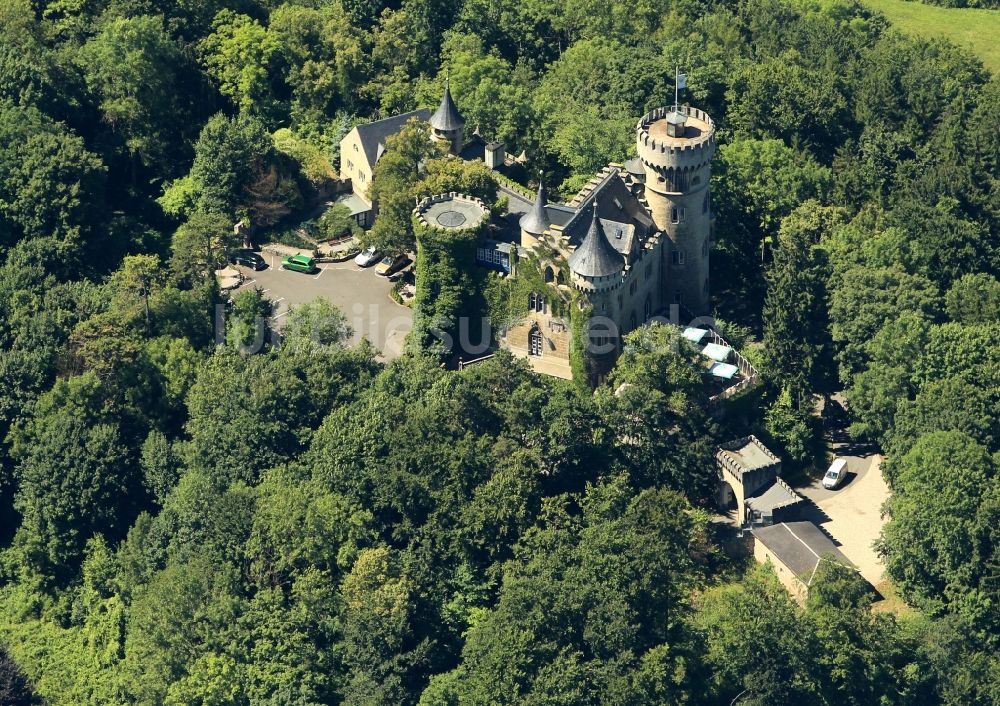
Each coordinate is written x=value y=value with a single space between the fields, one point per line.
x=940 y=544
x=241 y=55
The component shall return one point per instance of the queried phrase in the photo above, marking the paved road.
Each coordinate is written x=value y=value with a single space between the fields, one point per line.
x=362 y=295
x=852 y=514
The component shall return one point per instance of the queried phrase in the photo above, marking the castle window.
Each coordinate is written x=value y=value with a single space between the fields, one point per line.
x=696 y=181
x=535 y=343
x=560 y=278
x=677 y=258
x=677 y=296
x=355 y=146
x=549 y=274
x=350 y=166
x=536 y=302
x=673 y=215
x=619 y=302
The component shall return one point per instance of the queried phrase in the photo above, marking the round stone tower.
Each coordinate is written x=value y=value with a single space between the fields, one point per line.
x=447 y=124
x=595 y=266
x=675 y=147
x=451 y=213
x=447 y=229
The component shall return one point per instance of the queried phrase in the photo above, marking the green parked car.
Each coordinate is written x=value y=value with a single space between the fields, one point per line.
x=299 y=263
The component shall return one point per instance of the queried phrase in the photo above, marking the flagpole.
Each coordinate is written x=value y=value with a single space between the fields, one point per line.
x=676 y=70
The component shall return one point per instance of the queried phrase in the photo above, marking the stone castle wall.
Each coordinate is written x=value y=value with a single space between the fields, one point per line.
x=555 y=332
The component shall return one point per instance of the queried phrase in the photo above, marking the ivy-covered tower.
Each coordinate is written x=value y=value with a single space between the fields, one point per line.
x=675 y=147
x=447 y=228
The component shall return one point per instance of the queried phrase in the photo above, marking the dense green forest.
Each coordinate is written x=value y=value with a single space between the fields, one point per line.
x=184 y=523
x=964 y=3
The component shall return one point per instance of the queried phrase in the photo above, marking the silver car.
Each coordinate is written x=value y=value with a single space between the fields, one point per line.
x=367 y=257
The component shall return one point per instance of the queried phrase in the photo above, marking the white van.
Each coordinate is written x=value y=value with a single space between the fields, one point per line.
x=836 y=474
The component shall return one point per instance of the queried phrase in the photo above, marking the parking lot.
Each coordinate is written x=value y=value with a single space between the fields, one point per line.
x=362 y=295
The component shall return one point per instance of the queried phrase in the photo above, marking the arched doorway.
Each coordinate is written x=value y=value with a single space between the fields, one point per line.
x=535 y=342
x=727 y=498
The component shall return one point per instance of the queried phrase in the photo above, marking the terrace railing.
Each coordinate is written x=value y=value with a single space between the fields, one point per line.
x=748 y=373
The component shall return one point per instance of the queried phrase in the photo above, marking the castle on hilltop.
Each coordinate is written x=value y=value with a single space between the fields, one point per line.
x=634 y=242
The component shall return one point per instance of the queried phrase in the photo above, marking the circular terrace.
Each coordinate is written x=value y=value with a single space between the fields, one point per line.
x=452 y=211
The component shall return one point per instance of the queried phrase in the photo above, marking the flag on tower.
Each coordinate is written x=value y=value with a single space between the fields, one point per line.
x=682 y=81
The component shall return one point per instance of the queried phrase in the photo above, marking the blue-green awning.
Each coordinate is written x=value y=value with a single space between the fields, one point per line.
x=694 y=334
x=717 y=352
x=726 y=371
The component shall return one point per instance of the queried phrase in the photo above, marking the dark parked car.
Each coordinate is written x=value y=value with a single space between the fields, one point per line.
x=248 y=258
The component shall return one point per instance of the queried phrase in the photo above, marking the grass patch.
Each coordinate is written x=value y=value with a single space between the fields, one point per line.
x=891 y=601
x=975 y=29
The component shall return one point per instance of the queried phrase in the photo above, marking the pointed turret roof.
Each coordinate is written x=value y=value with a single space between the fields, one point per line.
x=596 y=257
x=536 y=220
x=447 y=118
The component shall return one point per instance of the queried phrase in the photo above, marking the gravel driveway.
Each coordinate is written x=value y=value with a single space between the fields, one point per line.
x=852 y=513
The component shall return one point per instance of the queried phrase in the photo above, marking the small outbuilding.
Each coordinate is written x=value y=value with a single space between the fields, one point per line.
x=795 y=551
x=749 y=478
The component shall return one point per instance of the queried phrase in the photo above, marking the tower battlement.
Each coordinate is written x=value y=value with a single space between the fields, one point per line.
x=675 y=147
x=451 y=212
x=660 y=149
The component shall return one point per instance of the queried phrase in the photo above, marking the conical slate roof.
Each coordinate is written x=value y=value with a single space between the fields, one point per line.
x=536 y=220
x=596 y=257
x=447 y=118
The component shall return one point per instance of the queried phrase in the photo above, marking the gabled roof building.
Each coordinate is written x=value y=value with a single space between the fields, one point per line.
x=360 y=151
x=795 y=551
